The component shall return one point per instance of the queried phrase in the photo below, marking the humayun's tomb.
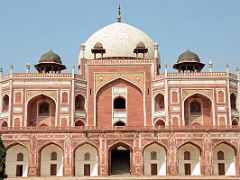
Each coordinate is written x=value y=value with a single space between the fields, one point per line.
x=119 y=114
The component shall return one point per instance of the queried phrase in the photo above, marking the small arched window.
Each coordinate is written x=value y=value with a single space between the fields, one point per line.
x=187 y=155
x=79 y=102
x=233 y=100
x=160 y=123
x=4 y=124
x=5 y=103
x=44 y=109
x=119 y=103
x=79 y=123
x=195 y=108
x=159 y=102
x=20 y=157
x=153 y=155
x=220 y=155
x=119 y=123
x=234 y=122
x=54 y=156
x=87 y=156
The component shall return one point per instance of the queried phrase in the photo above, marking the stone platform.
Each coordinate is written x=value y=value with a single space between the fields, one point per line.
x=131 y=178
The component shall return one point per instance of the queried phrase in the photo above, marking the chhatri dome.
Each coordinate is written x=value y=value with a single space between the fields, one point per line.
x=50 y=62
x=188 y=62
x=119 y=40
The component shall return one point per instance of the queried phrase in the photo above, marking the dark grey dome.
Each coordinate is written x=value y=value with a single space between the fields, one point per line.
x=50 y=57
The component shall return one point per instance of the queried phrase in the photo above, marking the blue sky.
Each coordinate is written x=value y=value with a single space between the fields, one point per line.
x=29 y=28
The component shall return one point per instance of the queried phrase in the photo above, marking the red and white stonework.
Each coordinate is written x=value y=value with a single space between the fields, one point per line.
x=119 y=115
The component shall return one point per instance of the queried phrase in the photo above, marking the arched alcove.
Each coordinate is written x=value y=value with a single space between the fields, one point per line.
x=159 y=102
x=198 y=110
x=41 y=110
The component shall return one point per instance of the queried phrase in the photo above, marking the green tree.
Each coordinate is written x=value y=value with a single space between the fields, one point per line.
x=2 y=159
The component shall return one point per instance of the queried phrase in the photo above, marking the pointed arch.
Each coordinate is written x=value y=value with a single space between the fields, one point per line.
x=46 y=107
x=227 y=143
x=159 y=103
x=119 y=103
x=47 y=144
x=159 y=122
x=41 y=94
x=80 y=102
x=155 y=142
x=159 y=152
x=119 y=78
x=119 y=123
x=233 y=101
x=192 y=143
x=5 y=102
x=224 y=159
x=17 y=155
x=45 y=162
x=120 y=151
x=83 y=143
x=121 y=143
x=79 y=122
x=198 y=108
x=79 y=161
x=189 y=159
x=104 y=117
x=4 y=124
x=14 y=144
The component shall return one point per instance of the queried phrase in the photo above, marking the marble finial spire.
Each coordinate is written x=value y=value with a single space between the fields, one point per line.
x=119 y=18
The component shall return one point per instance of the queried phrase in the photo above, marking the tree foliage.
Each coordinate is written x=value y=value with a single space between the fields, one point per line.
x=2 y=160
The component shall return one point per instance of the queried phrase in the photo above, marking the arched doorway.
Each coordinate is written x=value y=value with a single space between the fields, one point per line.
x=189 y=157
x=86 y=160
x=17 y=161
x=155 y=160
x=51 y=160
x=120 y=160
x=224 y=160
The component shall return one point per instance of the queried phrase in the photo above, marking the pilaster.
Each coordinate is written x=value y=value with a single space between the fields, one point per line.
x=172 y=157
x=102 y=156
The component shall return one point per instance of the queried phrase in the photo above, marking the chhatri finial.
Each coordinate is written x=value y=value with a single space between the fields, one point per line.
x=119 y=18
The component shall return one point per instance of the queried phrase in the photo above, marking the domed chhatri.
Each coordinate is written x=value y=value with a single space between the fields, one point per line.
x=50 y=62
x=50 y=57
x=119 y=40
x=188 y=62
x=188 y=56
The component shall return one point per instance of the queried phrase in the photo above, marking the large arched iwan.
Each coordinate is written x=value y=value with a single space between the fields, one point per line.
x=134 y=104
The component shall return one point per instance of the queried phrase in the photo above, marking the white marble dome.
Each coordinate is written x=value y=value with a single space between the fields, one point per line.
x=119 y=40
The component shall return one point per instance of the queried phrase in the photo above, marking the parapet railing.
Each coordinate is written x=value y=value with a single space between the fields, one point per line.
x=42 y=75
x=84 y=129
x=197 y=74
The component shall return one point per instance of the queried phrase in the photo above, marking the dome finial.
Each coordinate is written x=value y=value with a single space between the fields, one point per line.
x=119 y=18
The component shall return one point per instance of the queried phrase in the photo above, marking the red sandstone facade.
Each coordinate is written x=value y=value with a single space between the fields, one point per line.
x=122 y=102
